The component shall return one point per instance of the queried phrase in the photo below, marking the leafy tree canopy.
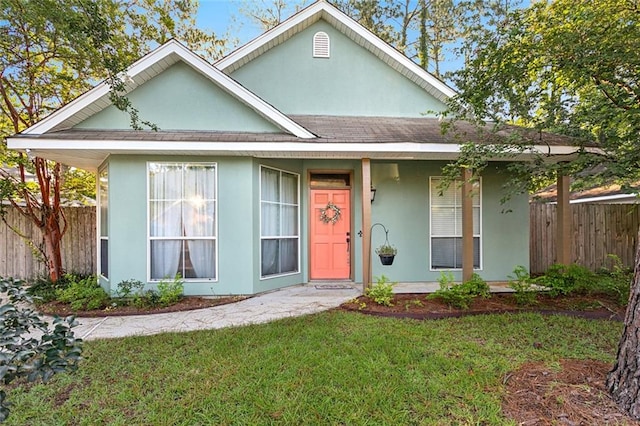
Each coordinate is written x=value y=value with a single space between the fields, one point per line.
x=565 y=66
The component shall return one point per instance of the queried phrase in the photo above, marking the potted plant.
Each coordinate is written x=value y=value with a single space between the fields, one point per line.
x=387 y=253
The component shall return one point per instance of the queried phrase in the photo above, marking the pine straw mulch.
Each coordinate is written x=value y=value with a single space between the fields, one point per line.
x=571 y=393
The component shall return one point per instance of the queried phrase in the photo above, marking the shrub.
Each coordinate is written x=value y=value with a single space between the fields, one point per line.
x=170 y=292
x=567 y=279
x=129 y=288
x=43 y=290
x=616 y=281
x=477 y=286
x=25 y=354
x=85 y=294
x=146 y=299
x=382 y=291
x=460 y=295
x=522 y=283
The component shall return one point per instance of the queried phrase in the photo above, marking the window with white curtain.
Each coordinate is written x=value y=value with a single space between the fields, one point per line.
x=103 y=199
x=279 y=222
x=446 y=225
x=182 y=220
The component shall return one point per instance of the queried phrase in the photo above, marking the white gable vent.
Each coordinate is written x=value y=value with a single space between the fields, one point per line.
x=321 y=45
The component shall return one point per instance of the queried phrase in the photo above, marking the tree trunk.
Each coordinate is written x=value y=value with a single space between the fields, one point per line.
x=52 y=238
x=623 y=382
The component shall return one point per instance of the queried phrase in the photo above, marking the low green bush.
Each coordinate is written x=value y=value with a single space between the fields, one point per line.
x=526 y=292
x=615 y=281
x=129 y=288
x=382 y=291
x=84 y=294
x=43 y=290
x=460 y=295
x=170 y=292
x=567 y=279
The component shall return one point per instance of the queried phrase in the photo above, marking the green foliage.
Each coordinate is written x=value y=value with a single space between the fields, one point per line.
x=129 y=288
x=382 y=291
x=84 y=294
x=386 y=250
x=22 y=354
x=615 y=281
x=567 y=279
x=460 y=295
x=478 y=286
x=552 y=67
x=170 y=292
x=525 y=290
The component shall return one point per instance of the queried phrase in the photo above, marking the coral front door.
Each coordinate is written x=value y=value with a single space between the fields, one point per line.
x=330 y=234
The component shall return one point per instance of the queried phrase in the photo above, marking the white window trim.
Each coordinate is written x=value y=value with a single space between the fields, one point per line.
x=215 y=238
x=286 y=274
x=318 y=51
x=479 y=235
x=99 y=222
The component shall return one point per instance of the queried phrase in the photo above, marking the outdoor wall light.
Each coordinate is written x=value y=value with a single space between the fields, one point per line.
x=373 y=194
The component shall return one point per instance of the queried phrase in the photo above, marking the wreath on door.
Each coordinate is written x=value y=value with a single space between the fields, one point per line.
x=330 y=214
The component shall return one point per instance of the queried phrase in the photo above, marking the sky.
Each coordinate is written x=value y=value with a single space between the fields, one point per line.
x=224 y=17
x=221 y=16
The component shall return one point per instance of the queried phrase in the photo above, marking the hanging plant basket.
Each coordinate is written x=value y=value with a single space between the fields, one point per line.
x=387 y=253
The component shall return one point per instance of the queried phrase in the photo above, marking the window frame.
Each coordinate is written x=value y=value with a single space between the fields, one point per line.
x=458 y=198
x=103 y=234
x=184 y=238
x=260 y=201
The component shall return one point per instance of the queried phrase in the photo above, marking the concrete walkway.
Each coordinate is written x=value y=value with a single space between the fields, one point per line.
x=286 y=302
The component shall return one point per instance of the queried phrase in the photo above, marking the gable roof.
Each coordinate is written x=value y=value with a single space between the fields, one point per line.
x=359 y=34
x=144 y=70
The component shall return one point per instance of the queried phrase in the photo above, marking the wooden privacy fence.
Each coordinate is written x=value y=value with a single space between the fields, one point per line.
x=596 y=231
x=78 y=244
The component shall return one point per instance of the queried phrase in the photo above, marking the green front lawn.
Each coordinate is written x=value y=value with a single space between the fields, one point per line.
x=329 y=368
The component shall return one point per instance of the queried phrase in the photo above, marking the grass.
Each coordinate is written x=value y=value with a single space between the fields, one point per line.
x=329 y=368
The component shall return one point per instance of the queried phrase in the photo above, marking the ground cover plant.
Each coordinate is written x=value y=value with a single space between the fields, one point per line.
x=82 y=295
x=331 y=368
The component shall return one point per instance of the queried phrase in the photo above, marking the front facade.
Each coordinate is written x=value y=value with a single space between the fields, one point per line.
x=262 y=172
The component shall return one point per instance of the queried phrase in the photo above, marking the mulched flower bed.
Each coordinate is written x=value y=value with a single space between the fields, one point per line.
x=188 y=303
x=417 y=306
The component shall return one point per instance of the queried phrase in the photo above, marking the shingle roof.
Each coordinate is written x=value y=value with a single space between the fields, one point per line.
x=329 y=129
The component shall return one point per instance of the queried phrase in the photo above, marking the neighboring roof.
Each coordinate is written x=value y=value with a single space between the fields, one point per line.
x=602 y=194
x=147 y=68
x=352 y=29
x=337 y=136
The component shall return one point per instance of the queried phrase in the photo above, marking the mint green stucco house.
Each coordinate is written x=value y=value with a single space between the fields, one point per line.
x=261 y=174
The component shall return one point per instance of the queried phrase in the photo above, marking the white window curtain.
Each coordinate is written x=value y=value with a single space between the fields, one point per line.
x=446 y=225
x=279 y=218
x=183 y=220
